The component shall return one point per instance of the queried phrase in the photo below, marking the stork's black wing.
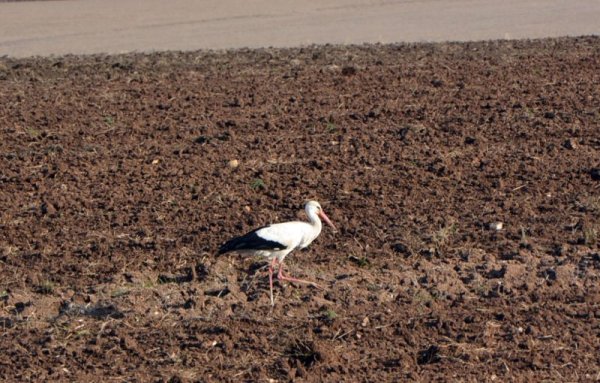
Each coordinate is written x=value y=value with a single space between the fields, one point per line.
x=250 y=241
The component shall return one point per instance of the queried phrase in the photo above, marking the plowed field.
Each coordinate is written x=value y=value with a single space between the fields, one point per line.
x=117 y=187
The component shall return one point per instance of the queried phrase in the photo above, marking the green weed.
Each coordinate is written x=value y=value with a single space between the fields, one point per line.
x=258 y=184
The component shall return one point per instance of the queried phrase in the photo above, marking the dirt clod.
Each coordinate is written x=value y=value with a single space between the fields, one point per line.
x=429 y=355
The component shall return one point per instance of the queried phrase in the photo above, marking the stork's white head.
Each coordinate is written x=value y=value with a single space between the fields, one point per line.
x=313 y=208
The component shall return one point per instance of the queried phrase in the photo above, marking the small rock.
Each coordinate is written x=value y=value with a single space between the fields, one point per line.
x=349 y=70
x=210 y=343
x=428 y=253
x=437 y=83
x=400 y=248
x=365 y=322
x=155 y=161
x=332 y=68
x=201 y=140
x=234 y=164
x=20 y=307
x=496 y=226
x=48 y=209
x=470 y=140
x=247 y=209
x=374 y=113
x=570 y=144
x=496 y=274
x=235 y=103
x=548 y=274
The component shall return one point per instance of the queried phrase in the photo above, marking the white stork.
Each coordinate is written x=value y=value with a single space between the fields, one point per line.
x=278 y=240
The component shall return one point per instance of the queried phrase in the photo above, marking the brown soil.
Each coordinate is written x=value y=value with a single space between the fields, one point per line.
x=115 y=192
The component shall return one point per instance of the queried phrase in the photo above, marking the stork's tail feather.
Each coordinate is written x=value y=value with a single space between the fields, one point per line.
x=229 y=246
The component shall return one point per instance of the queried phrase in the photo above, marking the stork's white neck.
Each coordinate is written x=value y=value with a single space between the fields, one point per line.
x=314 y=219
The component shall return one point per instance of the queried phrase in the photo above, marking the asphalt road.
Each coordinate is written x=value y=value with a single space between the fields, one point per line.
x=114 y=26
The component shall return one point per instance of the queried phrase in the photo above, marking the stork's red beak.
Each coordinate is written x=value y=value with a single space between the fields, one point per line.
x=326 y=219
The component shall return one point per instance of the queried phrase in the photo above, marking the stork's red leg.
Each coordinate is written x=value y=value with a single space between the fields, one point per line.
x=283 y=277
